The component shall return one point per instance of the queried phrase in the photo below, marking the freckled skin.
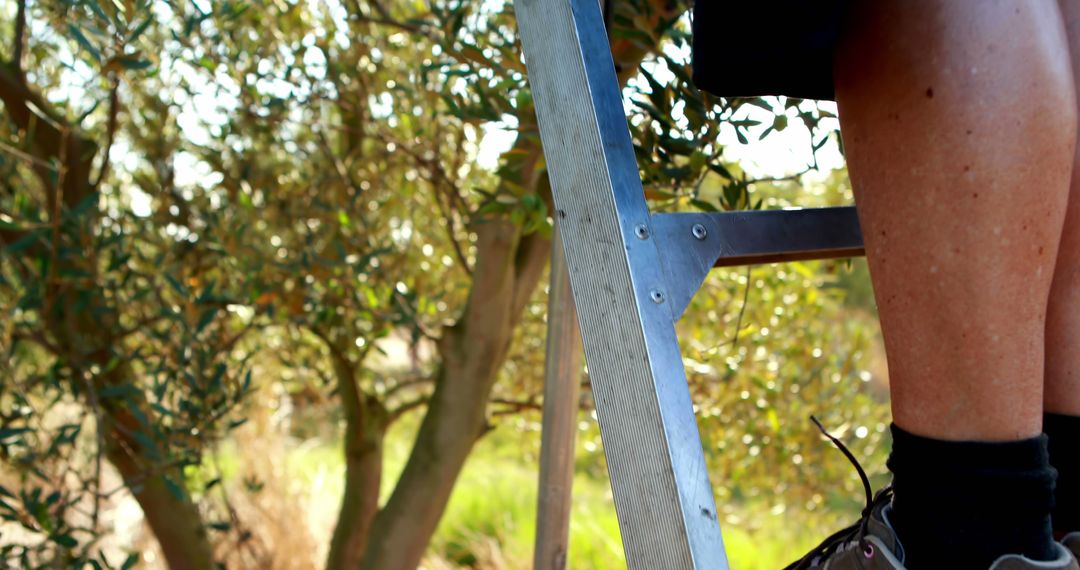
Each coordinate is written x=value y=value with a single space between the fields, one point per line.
x=1063 y=318
x=959 y=121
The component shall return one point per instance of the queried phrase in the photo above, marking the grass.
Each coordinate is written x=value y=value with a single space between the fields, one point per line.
x=497 y=500
x=490 y=521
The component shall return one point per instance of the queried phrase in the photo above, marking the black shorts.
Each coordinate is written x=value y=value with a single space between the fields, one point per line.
x=778 y=47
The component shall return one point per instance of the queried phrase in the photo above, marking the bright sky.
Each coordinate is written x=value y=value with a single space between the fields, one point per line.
x=779 y=154
x=784 y=152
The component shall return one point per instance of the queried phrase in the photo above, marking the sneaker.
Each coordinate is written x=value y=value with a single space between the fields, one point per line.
x=1064 y=561
x=1072 y=542
x=871 y=543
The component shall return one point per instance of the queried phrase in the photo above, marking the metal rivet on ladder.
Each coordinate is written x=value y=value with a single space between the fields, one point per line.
x=657 y=296
x=699 y=231
x=641 y=231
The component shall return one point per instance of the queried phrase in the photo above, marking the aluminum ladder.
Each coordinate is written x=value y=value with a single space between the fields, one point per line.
x=633 y=274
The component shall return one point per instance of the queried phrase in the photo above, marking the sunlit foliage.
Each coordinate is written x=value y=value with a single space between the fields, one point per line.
x=202 y=200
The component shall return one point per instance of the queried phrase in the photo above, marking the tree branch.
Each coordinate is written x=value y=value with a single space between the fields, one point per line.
x=51 y=139
x=399 y=411
x=403 y=384
x=19 y=39
x=512 y=407
x=386 y=19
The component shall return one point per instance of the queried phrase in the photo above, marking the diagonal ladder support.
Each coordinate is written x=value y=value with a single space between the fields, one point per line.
x=667 y=515
x=633 y=274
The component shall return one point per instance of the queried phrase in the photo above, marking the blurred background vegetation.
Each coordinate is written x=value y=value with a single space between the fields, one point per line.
x=272 y=290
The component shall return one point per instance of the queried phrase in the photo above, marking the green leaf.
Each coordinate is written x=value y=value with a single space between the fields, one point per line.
x=148 y=445
x=85 y=204
x=139 y=30
x=721 y=170
x=65 y=540
x=97 y=10
x=84 y=42
x=176 y=284
x=780 y=122
x=703 y=205
x=133 y=62
x=176 y=490
x=23 y=242
x=130 y=561
x=774 y=420
x=8 y=433
x=206 y=318
x=117 y=391
x=219 y=373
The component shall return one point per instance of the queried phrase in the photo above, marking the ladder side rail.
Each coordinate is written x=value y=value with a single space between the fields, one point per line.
x=667 y=513
x=562 y=393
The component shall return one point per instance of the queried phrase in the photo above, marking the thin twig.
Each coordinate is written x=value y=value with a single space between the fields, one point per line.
x=99 y=426
x=140 y=325
x=27 y=157
x=57 y=220
x=110 y=136
x=787 y=178
x=448 y=215
x=734 y=342
x=403 y=302
x=742 y=308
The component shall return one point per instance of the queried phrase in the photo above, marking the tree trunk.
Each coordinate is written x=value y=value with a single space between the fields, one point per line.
x=365 y=429
x=473 y=350
x=175 y=520
x=508 y=268
x=159 y=488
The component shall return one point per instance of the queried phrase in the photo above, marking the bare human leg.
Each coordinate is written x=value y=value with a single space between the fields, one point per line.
x=1061 y=423
x=1063 y=318
x=959 y=121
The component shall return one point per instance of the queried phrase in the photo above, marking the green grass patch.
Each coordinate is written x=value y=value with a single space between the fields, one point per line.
x=491 y=516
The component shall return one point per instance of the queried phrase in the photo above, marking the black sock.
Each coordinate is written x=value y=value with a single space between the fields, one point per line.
x=1064 y=435
x=964 y=504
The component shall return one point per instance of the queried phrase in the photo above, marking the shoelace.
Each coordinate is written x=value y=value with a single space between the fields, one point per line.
x=854 y=533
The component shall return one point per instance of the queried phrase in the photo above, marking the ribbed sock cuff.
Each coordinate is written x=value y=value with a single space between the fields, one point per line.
x=963 y=504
